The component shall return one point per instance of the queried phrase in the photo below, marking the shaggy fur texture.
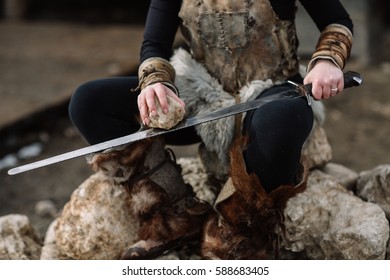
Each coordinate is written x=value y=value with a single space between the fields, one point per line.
x=246 y=224
x=202 y=93
x=164 y=205
x=121 y=163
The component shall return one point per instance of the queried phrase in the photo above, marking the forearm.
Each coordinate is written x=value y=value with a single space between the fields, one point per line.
x=326 y=12
x=335 y=41
x=160 y=29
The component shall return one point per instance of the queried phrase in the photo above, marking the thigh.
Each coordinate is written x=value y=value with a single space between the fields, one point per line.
x=105 y=109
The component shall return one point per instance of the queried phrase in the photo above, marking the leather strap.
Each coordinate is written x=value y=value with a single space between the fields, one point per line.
x=334 y=44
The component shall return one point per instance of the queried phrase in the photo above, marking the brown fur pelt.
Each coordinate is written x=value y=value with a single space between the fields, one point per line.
x=121 y=163
x=160 y=218
x=247 y=224
x=168 y=224
x=164 y=206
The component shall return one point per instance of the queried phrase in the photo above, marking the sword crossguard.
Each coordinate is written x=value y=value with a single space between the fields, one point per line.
x=304 y=90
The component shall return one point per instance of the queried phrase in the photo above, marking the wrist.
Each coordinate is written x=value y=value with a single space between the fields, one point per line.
x=334 y=44
x=156 y=70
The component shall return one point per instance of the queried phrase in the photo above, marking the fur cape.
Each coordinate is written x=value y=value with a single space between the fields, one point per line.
x=202 y=93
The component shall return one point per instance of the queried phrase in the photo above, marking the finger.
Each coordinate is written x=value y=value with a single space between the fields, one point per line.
x=334 y=90
x=340 y=85
x=161 y=92
x=143 y=109
x=326 y=93
x=150 y=100
x=177 y=98
x=316 y=92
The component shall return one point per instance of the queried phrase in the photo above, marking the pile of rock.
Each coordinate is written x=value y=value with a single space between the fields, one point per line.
x=341 y=215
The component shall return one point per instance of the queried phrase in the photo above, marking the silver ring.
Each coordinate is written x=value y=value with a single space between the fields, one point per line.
x=334 y=89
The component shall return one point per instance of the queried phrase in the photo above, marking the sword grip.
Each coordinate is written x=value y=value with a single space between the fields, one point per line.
x=352 y=79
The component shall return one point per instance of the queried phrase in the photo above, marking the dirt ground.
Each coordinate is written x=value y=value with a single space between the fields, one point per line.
x=357 y=125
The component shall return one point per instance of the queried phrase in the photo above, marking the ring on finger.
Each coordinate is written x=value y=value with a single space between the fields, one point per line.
x=334 y=90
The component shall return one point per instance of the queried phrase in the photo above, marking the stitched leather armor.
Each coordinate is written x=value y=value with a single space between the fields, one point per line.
x=239 y=41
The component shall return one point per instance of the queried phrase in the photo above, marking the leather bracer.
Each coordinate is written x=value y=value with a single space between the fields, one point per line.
x=156 y=70
x=334 y=44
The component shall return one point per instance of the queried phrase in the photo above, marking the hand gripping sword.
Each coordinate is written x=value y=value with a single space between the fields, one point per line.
x=351 y=79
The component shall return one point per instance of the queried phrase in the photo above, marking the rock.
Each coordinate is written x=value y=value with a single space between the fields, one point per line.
x=166 y=121
x=214 y=167
x=95 y=223
x=49 y=249
x=46 y=208
x=171 y=256
x=328 y=222
x=194 y=174
x=18 y=239
x=388 y=252
x=374 y=186
x=344 y=176
x=317 y=150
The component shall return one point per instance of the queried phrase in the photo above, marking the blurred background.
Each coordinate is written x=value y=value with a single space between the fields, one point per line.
x=48 y=48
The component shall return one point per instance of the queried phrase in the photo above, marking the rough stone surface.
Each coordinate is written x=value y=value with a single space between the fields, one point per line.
x=95 y=223
x=46 y=208
x=374 y=186
x=329 y=222
x=18 y=239
x=194 y=174
x=167 y=120
x=388 y=253
x=317 y=150
x=345 y=176
x=49 y=249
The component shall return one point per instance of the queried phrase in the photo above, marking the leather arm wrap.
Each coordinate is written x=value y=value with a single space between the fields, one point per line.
x=156 y=70
x=334 y=44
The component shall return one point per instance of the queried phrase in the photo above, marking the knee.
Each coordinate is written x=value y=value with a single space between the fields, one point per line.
x=83 y=98
x=81 y=102
x=280 y=127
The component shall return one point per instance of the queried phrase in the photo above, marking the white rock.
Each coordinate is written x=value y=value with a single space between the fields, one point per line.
x=18 y=239
x=46 y=208
x=329 y=222
x=166 y=121
x=345 y=176
x=95 y=223
x=49 y=249
x=194 y=174
x=317 y=149
x=374 y=186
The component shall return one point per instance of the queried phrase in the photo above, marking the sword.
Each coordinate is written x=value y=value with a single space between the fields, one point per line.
x=351 y=79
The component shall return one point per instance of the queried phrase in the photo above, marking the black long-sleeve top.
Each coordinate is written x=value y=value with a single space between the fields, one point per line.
x=162 y=21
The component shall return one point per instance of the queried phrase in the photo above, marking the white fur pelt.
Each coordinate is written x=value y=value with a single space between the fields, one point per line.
x=202 y=93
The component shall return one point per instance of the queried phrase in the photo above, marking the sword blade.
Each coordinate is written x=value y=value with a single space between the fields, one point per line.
x=351 y=79
x=152 y=132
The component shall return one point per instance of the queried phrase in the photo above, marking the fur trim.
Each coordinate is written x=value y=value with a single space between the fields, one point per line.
x=247 y=222
x=121 y=163
x=202 y=93
x=146 y=197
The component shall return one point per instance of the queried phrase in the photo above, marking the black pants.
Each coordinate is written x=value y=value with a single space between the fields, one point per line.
x=105 y=109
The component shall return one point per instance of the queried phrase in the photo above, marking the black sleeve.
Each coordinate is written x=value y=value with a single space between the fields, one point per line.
x=325 y=12
x=160 y=29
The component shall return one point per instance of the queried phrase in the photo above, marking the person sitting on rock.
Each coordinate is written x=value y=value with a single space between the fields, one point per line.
x=236 y=50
